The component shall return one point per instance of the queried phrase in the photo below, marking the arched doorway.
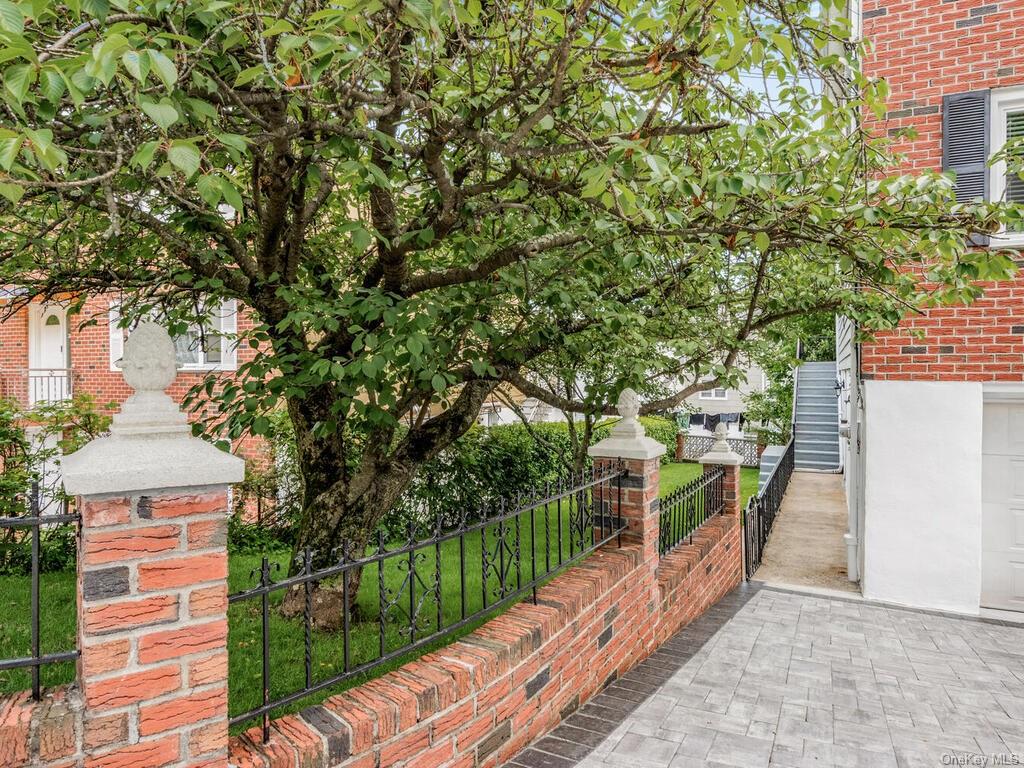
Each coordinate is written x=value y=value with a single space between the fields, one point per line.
x=49 y=379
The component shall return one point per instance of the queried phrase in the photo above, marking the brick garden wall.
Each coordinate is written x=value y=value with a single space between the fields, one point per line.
x=475 y=702
x=151 y=687
x=926 y=49
x=479 y=701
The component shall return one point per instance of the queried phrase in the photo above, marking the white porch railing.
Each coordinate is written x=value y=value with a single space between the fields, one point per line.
x=48 y=385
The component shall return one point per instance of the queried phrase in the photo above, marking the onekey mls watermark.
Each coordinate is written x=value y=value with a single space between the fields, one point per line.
x=975 y=760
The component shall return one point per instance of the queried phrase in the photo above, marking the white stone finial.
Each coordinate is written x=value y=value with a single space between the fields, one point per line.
x=149 y=367
x=628 y=439
x=721 y=452
x=721 y=434
x=629 y=404
x=148 y=363
x=150 y=444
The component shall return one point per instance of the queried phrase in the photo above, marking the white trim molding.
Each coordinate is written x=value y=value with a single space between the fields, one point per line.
x=1002 y=102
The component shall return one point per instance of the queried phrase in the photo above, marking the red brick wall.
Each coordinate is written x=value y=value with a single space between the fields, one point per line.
x=479 y=701
x=14 y=356
x=926 y=49
x=89 y=345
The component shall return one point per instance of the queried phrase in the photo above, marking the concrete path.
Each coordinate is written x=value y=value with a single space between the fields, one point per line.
x=770 y=677
x=806 y=548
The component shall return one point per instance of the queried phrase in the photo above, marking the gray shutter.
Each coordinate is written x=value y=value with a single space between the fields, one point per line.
x=965 y=150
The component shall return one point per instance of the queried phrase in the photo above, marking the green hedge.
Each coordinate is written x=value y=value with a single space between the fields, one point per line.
x=488 y=465
x=479 y=470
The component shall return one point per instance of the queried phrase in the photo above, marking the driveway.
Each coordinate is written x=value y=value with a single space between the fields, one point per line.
x=773 y=677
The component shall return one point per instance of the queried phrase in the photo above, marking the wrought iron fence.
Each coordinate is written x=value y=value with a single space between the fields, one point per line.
x=29 y=540
x=695 y=446
x=685 y=509
x=395 y=598
x=762 y=509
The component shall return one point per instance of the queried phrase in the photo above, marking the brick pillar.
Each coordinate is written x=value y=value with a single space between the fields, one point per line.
x=721 y=455
x=152 y=576
x=641 y=456
x=639 y=501
x=680 y=444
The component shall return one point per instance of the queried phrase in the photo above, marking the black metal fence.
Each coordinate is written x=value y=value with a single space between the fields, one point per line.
x=686 y=508
x=762 y=509
x=374 y=607
x=695 y=446
x=29 y=542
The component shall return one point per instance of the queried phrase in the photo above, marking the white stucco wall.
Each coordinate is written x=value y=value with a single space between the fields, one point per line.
x=922 y=526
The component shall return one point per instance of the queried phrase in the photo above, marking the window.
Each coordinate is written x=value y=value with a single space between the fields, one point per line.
x=1006 y=125
x=719 y=393
x=976 y=125
x=208 y=347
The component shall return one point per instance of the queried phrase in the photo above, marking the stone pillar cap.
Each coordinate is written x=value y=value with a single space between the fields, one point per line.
x=150 y=446
x=627 y=439
x=720 y=452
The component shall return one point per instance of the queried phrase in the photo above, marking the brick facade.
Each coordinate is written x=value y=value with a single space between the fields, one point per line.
x=91 y=371
x=926 y=49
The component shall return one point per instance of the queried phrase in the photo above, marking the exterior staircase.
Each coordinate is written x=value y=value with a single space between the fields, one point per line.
x=817 y=418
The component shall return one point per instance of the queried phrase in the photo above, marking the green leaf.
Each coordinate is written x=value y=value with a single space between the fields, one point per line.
x=209 y=189
x=248 y=75
x=597 y=181
x=232 y=140
x=163 y=113
x=164 y=68
x=9 y=148
x=18 y=79
x=12 y=192
x=438 y=382
x=51 y=83
x=762 y=241
x=185 y=156
x=278 y=27
x=136 y=64
x=143 y=157
x=231 y=195
x=11 y=17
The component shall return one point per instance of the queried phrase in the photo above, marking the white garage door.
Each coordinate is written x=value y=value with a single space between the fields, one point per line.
x=1002 y=496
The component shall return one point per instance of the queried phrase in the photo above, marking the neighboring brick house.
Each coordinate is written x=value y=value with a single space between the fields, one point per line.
x=48 y=354
x=934 y=411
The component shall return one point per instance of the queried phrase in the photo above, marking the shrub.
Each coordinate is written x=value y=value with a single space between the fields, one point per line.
x=477 y=472
x=63 y=428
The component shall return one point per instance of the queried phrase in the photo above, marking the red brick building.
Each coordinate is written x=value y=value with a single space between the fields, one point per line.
x=48 y=353
x=934 y=411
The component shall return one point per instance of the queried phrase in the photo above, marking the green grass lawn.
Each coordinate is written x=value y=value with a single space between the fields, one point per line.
x=288 y=646
x=676 y=475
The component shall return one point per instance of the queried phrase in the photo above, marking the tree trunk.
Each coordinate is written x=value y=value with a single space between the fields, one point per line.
x=341 y=508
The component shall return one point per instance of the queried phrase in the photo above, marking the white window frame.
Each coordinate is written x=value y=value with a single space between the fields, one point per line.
x=228 y=313
x=712 y=394
x=1002 y=101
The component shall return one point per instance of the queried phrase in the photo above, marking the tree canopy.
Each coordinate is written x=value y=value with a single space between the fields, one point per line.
x=421 y=200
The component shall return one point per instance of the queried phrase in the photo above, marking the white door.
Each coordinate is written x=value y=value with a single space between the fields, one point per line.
x=48 y=379
x=1002 y=498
